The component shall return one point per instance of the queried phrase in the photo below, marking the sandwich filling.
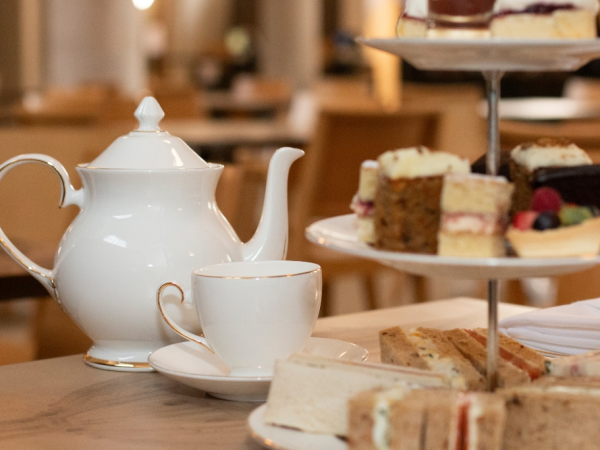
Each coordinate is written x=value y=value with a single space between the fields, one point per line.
x=429 y=352
x=532 y=371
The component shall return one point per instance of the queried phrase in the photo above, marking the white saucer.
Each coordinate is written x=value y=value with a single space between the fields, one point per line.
x=287 y=438
x=193 y=365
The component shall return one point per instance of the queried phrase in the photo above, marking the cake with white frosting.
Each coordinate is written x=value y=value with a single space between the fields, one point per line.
x=526 y=159
x=474 y=215
x=363 y=201
x=547 y=19
x=413 y=20
x=407 y=200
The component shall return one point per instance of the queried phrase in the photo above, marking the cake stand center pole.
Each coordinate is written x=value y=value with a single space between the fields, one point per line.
x=492 y=79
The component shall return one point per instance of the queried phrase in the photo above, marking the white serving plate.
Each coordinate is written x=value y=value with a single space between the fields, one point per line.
x=339 y=233
x=288 y=439
x=495 y=54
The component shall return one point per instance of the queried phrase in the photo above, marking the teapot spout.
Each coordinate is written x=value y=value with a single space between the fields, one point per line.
x=271 y=237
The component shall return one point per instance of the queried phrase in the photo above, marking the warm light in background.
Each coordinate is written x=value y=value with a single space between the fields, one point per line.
x=142 y=4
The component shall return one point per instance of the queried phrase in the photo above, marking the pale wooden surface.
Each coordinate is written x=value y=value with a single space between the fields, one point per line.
x=62 y=403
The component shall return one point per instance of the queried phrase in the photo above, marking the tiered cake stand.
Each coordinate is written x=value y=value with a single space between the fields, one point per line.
x=492 y=57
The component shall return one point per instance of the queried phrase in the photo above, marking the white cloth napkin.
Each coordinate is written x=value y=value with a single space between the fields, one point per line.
x=570 y=329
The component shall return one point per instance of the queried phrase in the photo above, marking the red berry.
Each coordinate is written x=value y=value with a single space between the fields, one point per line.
x=546 y=199
x=523 y=220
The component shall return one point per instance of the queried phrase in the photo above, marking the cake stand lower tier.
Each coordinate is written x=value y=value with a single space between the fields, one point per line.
x=339 y=233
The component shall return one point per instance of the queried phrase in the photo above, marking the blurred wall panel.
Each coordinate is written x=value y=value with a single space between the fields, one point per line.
x=9 y=51
x=91 y=41
x=290 y=44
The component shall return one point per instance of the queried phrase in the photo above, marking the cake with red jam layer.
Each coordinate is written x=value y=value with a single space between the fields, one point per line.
x=474 y=215
x=546 y=19
x=413 y=20
x=363 y=201
x=407 y=201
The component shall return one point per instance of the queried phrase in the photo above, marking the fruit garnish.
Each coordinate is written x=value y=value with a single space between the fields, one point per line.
x=546 y=221
x=523 y=220
x=574 y=215
x=546 y=199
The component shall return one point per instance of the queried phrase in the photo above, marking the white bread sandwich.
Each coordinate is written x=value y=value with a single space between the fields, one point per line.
x=582 y=365
x=311 y=393
x=428 y=348
x=552 y=415
x=426 y=419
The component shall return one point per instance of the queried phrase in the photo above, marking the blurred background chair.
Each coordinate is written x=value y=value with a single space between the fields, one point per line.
x=327 y=178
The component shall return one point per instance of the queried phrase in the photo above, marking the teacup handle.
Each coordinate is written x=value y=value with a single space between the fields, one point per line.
x=180 y=331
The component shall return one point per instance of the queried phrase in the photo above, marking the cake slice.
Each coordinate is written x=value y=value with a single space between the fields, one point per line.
x=428 y=347
x=426 y=419
x=407 y=202
x=474 y=215
x=526 y=159
x=548 y=19
x=413 y=19
x=476 y=353
x=311 y=393
x=363 y=201
x=557 y=416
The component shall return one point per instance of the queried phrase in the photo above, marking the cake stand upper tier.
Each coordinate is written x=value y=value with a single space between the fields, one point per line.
x=496 y=54
x=339 y=233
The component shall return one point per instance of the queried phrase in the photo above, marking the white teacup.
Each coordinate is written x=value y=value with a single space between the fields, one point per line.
x=253 y=313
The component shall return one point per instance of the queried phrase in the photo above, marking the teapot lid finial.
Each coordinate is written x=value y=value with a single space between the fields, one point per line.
x=149 y=114
x=148 y=147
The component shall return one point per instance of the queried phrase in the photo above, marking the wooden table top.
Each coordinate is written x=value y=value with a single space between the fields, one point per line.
x=62 y=403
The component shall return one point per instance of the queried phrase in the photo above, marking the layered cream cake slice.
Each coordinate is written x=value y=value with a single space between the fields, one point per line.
x=413 y=19
x=474 y=215
x=407 y=201
x=547 y=19
x=311 y=393
x=363 y=202
x=426 y=419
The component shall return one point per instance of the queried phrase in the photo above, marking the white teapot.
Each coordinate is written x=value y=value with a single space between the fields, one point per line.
x=148 y=214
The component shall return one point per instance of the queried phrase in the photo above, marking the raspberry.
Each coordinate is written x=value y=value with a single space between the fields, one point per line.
x=546 y=199
x=523 y=220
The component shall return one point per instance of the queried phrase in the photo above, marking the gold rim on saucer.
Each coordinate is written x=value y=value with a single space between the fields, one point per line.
x=121 y=364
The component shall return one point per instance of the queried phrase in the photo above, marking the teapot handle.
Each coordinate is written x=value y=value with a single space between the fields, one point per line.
x=69 y=196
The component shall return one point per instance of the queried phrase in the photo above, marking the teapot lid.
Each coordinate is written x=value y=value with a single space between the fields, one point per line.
x=148 y=147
